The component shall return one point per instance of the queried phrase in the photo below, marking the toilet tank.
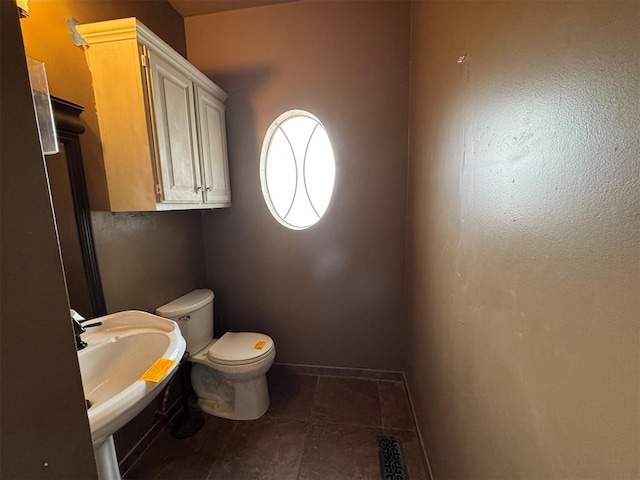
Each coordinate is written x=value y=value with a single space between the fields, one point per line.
x=193 y=313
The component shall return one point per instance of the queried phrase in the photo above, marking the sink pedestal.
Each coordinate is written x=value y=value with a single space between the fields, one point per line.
x=106 y=460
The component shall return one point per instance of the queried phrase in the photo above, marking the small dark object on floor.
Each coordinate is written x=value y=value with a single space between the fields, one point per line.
x=187 y=425
x=391 y=464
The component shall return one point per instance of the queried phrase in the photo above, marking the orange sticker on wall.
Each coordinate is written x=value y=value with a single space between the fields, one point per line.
x=259 y=345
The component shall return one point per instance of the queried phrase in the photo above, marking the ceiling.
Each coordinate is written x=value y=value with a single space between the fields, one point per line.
x=188 y=8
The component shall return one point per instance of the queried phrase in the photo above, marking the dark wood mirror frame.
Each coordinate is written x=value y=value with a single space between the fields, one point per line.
x=69 y=128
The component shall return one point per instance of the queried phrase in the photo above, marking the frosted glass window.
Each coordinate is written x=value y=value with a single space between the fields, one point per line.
x=297 y=169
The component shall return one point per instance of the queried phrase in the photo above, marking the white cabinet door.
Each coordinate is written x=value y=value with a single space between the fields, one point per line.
x=175 y=122
x=213 y=148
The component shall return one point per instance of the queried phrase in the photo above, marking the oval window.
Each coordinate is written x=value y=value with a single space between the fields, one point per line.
x=297 y=169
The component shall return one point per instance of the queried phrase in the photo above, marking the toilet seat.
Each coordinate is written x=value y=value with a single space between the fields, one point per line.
x=236 y=348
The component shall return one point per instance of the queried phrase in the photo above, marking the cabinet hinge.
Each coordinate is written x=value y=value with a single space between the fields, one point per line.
x=158 y=189
x=144 y=60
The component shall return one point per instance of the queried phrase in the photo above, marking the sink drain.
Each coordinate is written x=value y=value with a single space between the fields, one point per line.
x=87 y=403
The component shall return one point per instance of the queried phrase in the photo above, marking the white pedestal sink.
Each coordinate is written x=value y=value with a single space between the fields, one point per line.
x=117 y=354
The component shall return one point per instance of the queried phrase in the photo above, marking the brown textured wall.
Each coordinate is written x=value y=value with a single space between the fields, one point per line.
x=39 y=366
x=145 y=259
x=332 y=294
x=524 y=238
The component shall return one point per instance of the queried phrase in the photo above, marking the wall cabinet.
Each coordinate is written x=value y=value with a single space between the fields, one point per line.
x=162 y=122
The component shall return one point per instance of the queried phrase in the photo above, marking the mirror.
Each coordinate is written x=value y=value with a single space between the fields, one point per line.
x=73 y=217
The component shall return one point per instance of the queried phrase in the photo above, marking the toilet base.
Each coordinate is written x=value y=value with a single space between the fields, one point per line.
x=230 y=398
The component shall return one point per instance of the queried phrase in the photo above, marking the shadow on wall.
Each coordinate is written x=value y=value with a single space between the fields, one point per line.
x=242 y=86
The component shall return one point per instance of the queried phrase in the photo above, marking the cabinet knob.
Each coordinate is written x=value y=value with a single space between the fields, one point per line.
x=208 y=189
x=199 y=188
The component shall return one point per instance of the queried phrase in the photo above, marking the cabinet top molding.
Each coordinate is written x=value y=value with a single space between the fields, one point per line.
x=133 y=29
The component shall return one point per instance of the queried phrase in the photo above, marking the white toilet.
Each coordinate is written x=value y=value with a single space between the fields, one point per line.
x=229 y=373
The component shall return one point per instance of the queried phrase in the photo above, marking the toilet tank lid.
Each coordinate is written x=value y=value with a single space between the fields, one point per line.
x=187 y=303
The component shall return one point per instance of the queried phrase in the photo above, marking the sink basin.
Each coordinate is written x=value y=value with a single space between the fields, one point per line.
x=118 y=353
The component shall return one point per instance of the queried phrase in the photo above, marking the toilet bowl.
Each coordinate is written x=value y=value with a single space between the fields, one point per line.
x=228 y=374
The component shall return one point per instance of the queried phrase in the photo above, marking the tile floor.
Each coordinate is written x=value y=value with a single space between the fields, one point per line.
x=317 y=427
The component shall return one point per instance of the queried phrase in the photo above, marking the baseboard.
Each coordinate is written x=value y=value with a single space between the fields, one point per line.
x=417 y=427
x=369 y=374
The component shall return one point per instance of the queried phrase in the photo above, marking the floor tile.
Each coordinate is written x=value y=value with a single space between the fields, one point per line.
x=341 y=452
x=190 y=458
x=291 y=395
x=347 y=400
x=396 y=412
x=411 y=453
x=269 y=448
x=317 y=427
